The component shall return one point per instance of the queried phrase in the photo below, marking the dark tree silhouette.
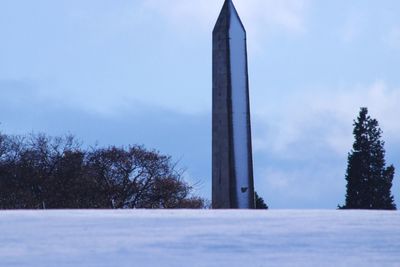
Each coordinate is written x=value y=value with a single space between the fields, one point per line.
x=41 y=172
x=369 y=181
x=260 y=204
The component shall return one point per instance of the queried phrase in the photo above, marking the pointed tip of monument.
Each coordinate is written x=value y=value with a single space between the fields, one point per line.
x=227 y=10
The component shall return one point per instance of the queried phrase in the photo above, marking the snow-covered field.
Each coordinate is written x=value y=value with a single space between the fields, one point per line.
x=199 y=238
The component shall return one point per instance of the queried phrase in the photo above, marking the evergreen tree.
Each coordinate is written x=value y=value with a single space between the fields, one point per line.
x=260 y=204
x=369 y=181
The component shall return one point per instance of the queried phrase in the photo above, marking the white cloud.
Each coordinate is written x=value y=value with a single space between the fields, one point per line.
x=322 y=119
x=258 y=15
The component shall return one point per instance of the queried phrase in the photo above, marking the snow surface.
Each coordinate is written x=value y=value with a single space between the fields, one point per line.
x=199 y=238
x=237 y=39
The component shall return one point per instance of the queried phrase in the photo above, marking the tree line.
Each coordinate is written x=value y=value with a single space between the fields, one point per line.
x=42 y=172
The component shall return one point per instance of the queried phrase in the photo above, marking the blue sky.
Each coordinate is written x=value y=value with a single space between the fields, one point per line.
x=139 y=72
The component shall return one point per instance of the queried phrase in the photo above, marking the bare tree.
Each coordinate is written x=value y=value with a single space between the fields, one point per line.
x=41 y=172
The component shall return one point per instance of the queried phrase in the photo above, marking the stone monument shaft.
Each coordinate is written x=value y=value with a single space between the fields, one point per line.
x=232 y=164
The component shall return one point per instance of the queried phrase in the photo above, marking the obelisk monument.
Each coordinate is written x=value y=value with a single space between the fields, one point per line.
x=232 y=163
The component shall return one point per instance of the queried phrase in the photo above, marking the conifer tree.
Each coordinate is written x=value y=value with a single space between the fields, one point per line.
x=260 y=203
x=369 y=181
